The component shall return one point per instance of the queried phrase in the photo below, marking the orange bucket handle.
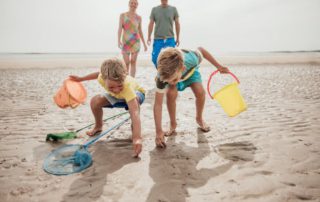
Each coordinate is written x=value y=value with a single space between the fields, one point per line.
x=73 y=106
x=210 y=78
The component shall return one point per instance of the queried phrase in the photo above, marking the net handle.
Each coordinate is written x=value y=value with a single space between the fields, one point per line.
x=105 y=132
x=210 y=78
x=104 y=120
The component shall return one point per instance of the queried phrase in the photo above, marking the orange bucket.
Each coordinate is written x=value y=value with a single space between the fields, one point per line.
x=71 y=94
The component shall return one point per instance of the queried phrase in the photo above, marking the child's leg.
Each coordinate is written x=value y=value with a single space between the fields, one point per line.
x=172 y=95
x=126 y=58
x=200 y=94
x=133 y=63
x=97 y=103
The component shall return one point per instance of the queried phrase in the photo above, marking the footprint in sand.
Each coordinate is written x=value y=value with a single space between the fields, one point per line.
x=289 y=184
x=237 y=151
x=302 y=197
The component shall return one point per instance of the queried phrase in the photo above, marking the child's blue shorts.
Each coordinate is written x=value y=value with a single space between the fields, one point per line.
x=194 y=78
x=121 y=103
x=159 y=44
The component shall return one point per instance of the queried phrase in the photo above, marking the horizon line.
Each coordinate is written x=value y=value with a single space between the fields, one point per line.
x=115 y=53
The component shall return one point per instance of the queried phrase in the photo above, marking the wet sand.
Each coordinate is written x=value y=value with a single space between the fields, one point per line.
x=271 y=152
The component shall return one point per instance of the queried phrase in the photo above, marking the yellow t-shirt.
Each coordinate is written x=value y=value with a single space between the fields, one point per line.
x=130 y=86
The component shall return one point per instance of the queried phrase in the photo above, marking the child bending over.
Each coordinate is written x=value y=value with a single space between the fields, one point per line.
x=177 y=70
x=122 y=91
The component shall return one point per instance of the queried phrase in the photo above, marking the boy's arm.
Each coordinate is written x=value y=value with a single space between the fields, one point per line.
x=177 y=25
x=157 y=113
x=91 y=76
x=213 y=61
x=136 y=126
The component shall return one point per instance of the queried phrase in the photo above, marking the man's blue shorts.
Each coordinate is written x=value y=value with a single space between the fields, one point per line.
x=159 y=44
x=121 y=103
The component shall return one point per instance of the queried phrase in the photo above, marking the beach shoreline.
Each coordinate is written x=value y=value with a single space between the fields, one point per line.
x=81 y=60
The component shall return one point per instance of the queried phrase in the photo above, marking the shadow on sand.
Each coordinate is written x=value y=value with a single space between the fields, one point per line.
x=174 y=169
x=108 y=157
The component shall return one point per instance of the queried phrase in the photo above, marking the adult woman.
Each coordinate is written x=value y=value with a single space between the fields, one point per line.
x=131 y=31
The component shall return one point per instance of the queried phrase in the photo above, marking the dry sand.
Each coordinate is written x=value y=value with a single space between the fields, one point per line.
x=271 y=152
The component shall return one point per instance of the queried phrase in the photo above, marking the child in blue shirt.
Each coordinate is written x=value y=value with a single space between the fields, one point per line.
x=177 y=70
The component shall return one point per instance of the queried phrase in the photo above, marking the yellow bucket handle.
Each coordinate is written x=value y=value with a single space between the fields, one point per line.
x=209 y=81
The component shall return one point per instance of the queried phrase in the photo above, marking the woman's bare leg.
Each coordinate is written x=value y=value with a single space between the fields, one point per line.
x=133 y=64
x=126 y=58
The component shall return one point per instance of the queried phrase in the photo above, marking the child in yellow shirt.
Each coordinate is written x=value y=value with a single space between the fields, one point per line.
x=122 y=91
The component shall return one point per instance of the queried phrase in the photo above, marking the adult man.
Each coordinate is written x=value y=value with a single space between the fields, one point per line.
x=163 y=16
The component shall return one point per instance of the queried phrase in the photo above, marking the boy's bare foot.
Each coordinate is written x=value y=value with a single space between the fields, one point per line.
x=170 y=132
x=94 y=131
x=203 y=126
x=160 y=141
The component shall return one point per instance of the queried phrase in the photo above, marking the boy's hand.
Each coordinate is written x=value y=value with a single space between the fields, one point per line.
x=223 y=69
x=137 y=147
x=75 y=78
x=160 y=142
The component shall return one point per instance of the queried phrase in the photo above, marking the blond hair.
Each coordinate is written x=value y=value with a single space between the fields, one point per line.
x=170 y=61
x=113 y=69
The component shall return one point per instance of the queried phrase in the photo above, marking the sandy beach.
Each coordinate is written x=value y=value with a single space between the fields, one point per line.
x=271 y=152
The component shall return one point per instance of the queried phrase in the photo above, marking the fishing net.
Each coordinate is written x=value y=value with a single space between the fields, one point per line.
x=73 y=158
x=67 y=159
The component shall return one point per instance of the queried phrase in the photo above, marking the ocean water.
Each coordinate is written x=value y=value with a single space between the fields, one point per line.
x=58 y=60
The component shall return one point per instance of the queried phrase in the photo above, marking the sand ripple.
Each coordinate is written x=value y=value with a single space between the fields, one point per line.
x=268 y=153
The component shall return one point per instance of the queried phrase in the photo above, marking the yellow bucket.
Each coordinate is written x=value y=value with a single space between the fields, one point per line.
x=229 y=97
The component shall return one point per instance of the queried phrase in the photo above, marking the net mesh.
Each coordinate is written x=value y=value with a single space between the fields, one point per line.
x=67 y=159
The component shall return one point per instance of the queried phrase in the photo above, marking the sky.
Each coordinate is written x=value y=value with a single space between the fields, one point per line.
x=90 y=26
